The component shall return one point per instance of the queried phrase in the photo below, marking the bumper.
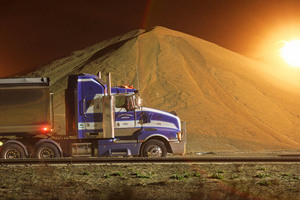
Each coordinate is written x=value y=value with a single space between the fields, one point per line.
x=178 y=148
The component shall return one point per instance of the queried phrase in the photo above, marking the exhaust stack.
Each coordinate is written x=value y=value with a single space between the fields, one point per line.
x=108 y=111
x=108 y=84
x=99 y=74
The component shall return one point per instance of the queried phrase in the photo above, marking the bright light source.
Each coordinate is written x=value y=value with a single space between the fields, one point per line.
x=45 y=129
x=290 y=52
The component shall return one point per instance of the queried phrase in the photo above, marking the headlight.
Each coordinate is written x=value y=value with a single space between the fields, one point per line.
x=179 y=136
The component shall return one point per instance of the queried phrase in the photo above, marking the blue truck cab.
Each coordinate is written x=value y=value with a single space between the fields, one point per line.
x=122 y=127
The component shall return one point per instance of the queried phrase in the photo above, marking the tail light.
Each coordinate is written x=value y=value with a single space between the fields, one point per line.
x=46 y=129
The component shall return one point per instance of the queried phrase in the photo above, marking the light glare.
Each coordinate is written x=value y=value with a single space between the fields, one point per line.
x=290 y=52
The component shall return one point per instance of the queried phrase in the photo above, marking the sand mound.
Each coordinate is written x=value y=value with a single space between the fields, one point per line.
x=228 y=101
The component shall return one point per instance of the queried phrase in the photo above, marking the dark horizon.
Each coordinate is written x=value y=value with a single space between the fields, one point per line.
x=33 y=33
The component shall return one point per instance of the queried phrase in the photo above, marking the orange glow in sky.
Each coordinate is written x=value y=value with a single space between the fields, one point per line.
x=290 y=52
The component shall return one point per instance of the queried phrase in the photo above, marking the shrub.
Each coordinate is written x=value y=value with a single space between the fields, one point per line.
x=217 y=176
x=139 y=175
x=86 y=173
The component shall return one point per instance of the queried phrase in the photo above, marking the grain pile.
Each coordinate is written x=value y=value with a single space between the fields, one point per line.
x=230 y=102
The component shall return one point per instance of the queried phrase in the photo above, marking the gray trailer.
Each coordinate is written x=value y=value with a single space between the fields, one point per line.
x=25 y=106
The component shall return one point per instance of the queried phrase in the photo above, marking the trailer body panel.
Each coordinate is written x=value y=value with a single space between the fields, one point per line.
x=25 y=106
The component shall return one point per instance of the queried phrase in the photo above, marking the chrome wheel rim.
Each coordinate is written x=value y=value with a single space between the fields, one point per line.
x=154 y=151
x=46 y=153
x=12 y=154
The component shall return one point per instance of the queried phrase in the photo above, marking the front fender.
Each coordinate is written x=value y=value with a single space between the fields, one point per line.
x=167 y=134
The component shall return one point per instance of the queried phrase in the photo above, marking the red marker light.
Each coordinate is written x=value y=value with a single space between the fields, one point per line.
x=46 y=130
x=126 y=86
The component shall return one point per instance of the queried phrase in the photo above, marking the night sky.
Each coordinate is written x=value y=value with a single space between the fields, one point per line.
x=32 y=33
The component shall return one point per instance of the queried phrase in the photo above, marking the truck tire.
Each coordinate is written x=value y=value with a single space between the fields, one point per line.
x=12 y=151
x=154 y=149
x=47 y=150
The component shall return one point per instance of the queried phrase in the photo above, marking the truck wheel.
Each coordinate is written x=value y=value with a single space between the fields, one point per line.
x=47 y=150
x=154 y=149
x=12 y=151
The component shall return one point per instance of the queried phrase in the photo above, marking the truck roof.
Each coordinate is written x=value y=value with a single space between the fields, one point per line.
x=43 y=81
x=117 y=89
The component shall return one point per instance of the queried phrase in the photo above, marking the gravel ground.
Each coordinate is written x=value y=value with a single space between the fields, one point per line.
x=152 y=181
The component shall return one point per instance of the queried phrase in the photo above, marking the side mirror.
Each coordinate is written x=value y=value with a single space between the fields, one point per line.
x=129 y=106
x=139 y=101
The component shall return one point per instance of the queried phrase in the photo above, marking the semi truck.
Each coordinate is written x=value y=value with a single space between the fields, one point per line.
x=100 y=120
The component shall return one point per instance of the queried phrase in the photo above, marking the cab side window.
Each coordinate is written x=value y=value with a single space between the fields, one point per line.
x=120 y=101
x=125 y=102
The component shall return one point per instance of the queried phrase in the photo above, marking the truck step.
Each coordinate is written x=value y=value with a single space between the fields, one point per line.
x=113 y=152
x=123 y=149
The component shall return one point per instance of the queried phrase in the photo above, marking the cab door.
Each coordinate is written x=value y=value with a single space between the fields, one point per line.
x=92 y=115
x=127 y=121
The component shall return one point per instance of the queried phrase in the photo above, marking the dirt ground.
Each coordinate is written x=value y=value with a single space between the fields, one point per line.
x=152 y=181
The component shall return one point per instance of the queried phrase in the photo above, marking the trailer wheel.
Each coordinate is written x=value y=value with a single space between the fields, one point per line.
x=12 y=151
x=154 y=148
x=47 y=150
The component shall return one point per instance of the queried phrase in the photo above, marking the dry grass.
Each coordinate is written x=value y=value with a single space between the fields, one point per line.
x=152 y=181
